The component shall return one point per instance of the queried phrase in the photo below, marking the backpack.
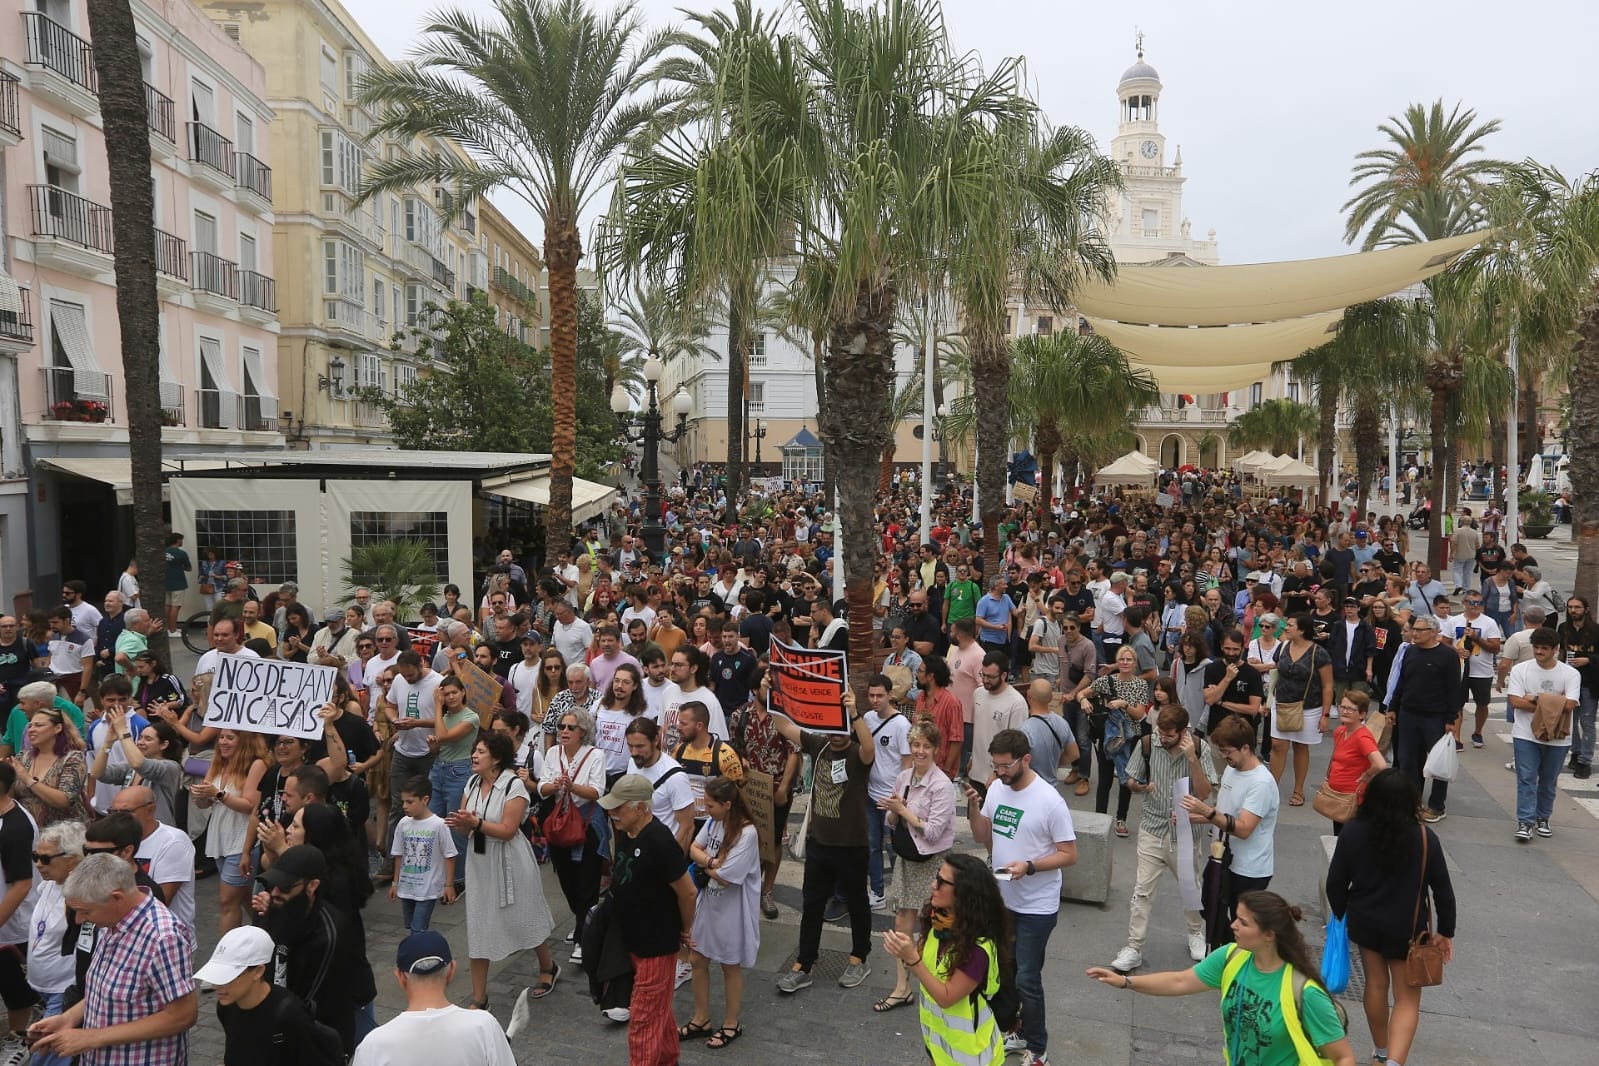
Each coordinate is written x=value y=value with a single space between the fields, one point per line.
x=1006 y=1002
x=323 y=1047
x=1308 y=1054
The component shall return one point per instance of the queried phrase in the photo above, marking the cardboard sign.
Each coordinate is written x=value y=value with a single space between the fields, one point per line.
x=1023 y=492
x=808 y=687
x=269 y=696
x=482 y=689
x=758 y=789
x=423 y=642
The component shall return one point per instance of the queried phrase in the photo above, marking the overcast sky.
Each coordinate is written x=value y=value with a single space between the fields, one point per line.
x=1269 y=101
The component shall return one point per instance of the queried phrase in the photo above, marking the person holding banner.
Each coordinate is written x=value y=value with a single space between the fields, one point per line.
x=836 y=844
x=754 y=732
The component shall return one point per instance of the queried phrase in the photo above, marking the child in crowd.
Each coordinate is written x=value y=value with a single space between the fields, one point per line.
x=424 y=857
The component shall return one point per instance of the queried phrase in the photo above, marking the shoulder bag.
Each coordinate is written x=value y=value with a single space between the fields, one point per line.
x=904 y=842
x=1424 y=964
x=1329 y=802
x=565 y=826
x=1291 y=713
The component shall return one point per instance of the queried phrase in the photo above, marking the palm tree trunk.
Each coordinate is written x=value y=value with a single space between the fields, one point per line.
x=1368 y=443
x=124 y=121
x=737 y=376
x=563 y=250
x=1443 y=379
x=885 y=469
x=1584 y=386
x=1048 y=441
x=990 y=391
x=1326 y=437
x=855 y=426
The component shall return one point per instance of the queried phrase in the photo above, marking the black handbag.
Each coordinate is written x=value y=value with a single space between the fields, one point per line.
x=904 y=843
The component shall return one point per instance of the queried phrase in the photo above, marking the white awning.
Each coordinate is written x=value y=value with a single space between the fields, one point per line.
x=118 y=473
x=588 y=499
x=255 y=377
x=10 y=294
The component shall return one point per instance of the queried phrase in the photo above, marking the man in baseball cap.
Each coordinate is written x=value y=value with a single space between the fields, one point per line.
x=431 y=1029
x=252 y=1010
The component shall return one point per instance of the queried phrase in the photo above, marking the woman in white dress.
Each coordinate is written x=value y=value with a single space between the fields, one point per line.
x=727 y=918
x=505 y=911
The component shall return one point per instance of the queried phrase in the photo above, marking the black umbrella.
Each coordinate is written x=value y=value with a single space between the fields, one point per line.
x=1215 y=889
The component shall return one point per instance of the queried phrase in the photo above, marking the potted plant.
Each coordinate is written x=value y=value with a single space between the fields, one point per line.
x=1537 y=514
x=64 y=411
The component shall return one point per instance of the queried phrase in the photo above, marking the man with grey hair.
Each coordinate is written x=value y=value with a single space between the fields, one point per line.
x=53 y=943
x=384 y=614
x=137 y=625
x=139 y=998
x=334 y=644
x=1424 y=704
x=1112 y=628
x=15 y=662
x=106 y=633
x=571 y=635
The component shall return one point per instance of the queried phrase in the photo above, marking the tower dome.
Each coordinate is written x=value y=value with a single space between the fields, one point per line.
x=1138 y=71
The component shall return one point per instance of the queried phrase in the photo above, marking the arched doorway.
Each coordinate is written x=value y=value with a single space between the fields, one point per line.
x=1210 y=452
x=1171 y=451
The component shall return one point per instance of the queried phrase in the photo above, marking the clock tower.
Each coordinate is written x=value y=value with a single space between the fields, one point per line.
x=1146 y=220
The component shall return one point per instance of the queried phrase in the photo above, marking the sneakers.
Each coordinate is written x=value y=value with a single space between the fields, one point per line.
x=571 y=937
x=1035 y=1058
x=837 y=910
x=1127 y=959
x=1523 y=832
x=1430 y=815
x=1543 y=828
x=577 y=954
x=854 y=974
x=1476 y=740
x=1082 y=787
x=684 y=974
x=620 y=1015
x=1511 y=766
x=13 y=1052
x=877 y=901
x=1121 y=829
x=768 y=905
x=1583 y=771
x=1196 y=946
x=795 y=980
x=1014 y=1044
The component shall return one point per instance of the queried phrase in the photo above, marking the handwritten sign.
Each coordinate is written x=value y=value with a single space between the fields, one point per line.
x=482 y=689
x=269 y=696
x=763 y=808
x=808 y=687
x=1022 y=492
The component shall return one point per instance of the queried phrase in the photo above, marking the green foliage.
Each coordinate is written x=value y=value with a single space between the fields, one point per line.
x=1276 y=426
x=493 y=392
x=398 y=570
x=1536 y=508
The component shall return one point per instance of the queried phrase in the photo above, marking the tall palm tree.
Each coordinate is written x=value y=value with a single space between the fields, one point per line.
x=127 y=140
x=543 y=97
x=1277 y=426
x=1067 y=387
x=1040 y=232
x=1430 y=181
x=652 y=325
x=857 y=146
x=906 y=403
x=1382 y=347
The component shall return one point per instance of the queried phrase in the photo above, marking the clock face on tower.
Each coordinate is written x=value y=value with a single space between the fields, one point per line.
x=1149 y=149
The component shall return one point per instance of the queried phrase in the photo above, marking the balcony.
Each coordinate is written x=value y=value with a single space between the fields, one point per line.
x=506 y=281
x=217 y=409
x=259 y=414
x=370 y=415
x=356 y=119
x=10 y=116
x=254 y=175
x=171 y=263
x=214 y=153
x=71 y=233
x=65 y=63
x=76 y=395
x=350 y=319
x=159 y=117
x=444 y=276
x=16 y=327
x=258 y=296
x=215 y=282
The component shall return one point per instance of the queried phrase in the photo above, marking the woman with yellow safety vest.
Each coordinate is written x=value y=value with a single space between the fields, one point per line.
x=1274 y=1011
x=966 y=946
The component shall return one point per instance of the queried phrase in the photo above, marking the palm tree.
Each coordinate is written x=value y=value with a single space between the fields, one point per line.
x=1039 y=232
x=650 y=325
x=1427 y=184
x=543 y=98
x=907 y=403
x=127 y=139
x=1382 y=348
x=1067 y=387
x=1277 y=426
x=399 y=570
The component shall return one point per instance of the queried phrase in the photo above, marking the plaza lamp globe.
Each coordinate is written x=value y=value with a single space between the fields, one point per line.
x=621 y=402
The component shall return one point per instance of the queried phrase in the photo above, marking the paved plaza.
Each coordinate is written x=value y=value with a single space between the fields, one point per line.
x=1522 y=989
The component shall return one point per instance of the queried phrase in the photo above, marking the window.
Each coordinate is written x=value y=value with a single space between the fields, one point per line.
x=1293 y=391
x=1254 y=395
x=404 y=380
x=415 y=305
x=378 y=302
x=757 y=352
x=147 y=58
x=344 y=271
x=247 y=252
x=370 y=373
x=1151 y=222
x=1046 y=325
x=1007 y=325
x=421 y=226
x=757 y=397
x=205 y=233
x=342 y=161
x=330 y=70
x=354 y=71
x=430 y=527
x=264 y=540
x=60 y=161
x=243 y=133
x=205 y=102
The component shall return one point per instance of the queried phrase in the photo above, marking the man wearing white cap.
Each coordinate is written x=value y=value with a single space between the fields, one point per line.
x=263 y=1024
x=431 y=1029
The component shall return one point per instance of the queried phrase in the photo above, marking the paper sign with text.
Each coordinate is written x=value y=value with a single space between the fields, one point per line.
x=269 y=696
x=808 y=687
x=482 y=689
x=762 y=804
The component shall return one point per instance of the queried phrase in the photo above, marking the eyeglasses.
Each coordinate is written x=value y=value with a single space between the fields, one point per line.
x=45 y=860
x=1005 y=769
x=566 y=726
x=940 y=881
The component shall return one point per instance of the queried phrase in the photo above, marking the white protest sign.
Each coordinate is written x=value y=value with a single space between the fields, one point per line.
x=269 y=696
x=1187 y=876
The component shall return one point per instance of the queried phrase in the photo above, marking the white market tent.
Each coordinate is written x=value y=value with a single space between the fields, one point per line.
x=1251 y=462
x=1134 y=468
x=1287 y=470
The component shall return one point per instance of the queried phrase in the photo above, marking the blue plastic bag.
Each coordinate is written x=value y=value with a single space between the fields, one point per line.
x=1335 y=957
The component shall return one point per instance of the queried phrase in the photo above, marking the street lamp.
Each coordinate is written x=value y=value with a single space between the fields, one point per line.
x=941 y=475
x=758 y=431
x=644 y=428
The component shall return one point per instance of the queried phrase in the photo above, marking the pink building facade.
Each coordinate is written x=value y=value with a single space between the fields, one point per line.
x=63 y=426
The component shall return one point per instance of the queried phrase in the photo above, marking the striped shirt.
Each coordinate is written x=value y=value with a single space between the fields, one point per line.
x=140 y=965
x=1161 y=769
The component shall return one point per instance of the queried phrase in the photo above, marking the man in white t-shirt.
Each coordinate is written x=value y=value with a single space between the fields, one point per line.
x=1538 y=762
x=166 y=854
x=571 y=635
x=672 y=802
x=431 y=1028
x=1476 y=637
x=412 y=707
x=1245 y=807
x=656 y=684
x=690 y=669
x=1027 y=828
x=890 y=734
x=996 y=707
x=523 y=677
x=388 y=641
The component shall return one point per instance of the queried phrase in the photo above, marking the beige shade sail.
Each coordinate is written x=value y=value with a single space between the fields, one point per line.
x=1264 y=292
x=1197 y=380
x=1207 y=346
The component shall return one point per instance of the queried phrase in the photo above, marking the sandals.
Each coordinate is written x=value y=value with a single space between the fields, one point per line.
x=695 y=1029
x=723 y=1037
x=888 y=1003
x=1296 y=800
x=546 y=982
x=1121 y=828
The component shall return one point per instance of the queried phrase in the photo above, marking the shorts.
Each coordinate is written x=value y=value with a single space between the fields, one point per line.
x=228 y=870
x=14 y=987
x=1481 y=690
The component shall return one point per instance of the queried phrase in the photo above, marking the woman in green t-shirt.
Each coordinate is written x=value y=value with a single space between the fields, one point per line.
x=453 y=738
x=1274 y=1011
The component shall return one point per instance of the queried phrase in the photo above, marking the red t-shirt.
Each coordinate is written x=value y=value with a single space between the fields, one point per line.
x=1351 y=757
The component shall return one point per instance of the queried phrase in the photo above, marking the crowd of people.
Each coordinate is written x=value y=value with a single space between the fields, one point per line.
x=1122 y=645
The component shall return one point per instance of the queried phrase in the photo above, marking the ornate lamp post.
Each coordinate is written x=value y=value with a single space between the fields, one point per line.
x=644 y=428
x=758 y=431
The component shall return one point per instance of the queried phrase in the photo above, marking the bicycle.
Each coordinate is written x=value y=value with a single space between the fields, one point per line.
x=194 y=631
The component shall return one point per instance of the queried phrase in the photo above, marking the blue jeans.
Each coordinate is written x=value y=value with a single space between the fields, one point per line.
x=449 y=785
x=1032 y=941
x=876 y=829
x=1414 y=737
x=417 y=914
x=1537 y=769
x=1583 y=723
x=52 y=1007
x=366 y=1020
